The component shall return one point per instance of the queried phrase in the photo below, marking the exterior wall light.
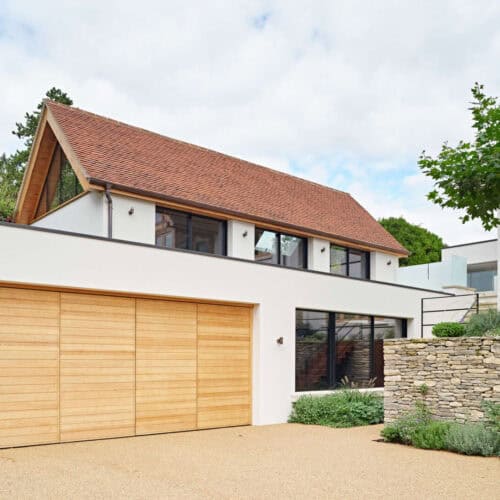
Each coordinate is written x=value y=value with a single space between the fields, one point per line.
x=245 y=234
x=389 y=262
x=279 y=340
x=131 y=211
x=323 y=250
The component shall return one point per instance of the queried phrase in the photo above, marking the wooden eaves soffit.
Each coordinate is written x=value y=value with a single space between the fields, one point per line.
x=48 y=135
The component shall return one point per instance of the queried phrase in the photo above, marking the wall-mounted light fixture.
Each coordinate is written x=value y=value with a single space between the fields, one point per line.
x=279 y=340
x=389 y=262
x=245 y=234
x=131 y=211
x=323 y=250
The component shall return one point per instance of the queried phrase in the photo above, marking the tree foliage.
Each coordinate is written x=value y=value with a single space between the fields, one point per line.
x=12 y=167
x=468 y=176
x=424 y=246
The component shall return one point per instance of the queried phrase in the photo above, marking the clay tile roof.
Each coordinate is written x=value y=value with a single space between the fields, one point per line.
x=138 y=160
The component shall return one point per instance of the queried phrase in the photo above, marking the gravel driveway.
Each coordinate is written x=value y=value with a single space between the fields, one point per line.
x=278 y=461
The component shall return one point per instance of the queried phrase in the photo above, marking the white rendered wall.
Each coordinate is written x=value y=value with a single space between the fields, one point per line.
x=138 y=226
x=240 y=239
x=318 y=255
x=85 y=215
x=474 y=253
x=383 y=267
x=70 y=260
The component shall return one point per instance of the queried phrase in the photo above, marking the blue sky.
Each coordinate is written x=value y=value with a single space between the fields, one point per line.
x=345 y=93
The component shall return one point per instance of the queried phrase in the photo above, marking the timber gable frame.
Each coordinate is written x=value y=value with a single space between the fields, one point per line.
x=47 y=136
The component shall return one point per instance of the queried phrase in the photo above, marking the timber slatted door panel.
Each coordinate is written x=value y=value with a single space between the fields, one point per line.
x=29 y=367
x=165 y=366
x=97 y=366
x=224 y=381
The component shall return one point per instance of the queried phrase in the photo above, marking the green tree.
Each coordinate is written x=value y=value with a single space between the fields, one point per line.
x=424 y=246
x=468 y=176
x=12 y=167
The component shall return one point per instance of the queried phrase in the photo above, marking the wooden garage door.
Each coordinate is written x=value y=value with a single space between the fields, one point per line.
x=77 y=366
x=165 y=366
x=29 y=367
x=224 y=384
x=97 y=366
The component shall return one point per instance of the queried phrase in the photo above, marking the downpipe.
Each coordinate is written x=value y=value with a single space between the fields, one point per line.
x=109 y=199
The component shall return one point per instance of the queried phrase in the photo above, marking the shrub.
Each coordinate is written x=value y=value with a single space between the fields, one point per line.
x=446 y=329
x=492 y=414
x=482 y=324
x=417 y=428
x=431 y=436
x=404 y=428
x=347 y=408
x=473 y=439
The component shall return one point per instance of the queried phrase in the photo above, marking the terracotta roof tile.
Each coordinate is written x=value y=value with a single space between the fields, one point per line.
x=136 y=159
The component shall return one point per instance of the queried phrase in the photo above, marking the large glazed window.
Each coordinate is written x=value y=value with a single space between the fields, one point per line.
x=349 y=262
x=60 y=185
x=311 y=351
x=266 y=246
x=187 y=231
x=352 y=349
x=278 y=248
x=338 y=349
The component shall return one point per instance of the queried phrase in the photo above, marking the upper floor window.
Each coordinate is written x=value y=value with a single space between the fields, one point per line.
x=188 y=231
x=349 y=262
x=60 y=185
x=482 y=277
x=282 y=249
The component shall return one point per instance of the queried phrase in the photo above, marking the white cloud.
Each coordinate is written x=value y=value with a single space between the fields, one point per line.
x=338 y=91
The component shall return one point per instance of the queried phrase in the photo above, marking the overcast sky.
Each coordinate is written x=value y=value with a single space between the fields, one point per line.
x=346 y=93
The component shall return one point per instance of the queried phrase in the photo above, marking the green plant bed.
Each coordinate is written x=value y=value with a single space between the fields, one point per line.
x=419 y=429
x=447 y=329
x=346 y=408
x=484 y=324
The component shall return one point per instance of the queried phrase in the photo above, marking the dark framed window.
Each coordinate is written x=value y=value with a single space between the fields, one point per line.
x=279 y=248
x=175 y=229
x=347 y=261
x=60 y=185
x=334 y=349
x=482 y=277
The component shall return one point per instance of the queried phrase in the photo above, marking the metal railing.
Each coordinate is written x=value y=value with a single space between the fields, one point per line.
x=474 y=308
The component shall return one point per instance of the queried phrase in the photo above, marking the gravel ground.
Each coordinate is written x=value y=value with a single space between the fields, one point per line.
x=278 y=461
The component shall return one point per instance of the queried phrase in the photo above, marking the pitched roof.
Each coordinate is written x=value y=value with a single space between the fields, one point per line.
x=135 y=159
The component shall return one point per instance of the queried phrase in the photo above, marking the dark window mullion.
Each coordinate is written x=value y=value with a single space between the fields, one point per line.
x=278 y=236
x=372 y=347
x=189 y=223
x=331 y=350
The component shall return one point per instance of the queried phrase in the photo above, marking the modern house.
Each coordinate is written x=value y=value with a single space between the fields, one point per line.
x=149 y=285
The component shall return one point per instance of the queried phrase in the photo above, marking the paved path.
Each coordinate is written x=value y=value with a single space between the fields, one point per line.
x=280 y=461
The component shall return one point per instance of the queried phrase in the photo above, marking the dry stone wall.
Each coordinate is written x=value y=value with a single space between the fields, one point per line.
x=453 y=376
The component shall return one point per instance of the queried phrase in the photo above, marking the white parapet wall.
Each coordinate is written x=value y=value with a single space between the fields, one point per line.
x=39 y=257
x=85 y=215
x=474 y=253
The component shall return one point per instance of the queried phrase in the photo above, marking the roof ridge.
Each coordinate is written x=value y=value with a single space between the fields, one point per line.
x=202 y=148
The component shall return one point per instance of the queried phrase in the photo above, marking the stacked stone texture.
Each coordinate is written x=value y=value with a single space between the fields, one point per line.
x=459 y=373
